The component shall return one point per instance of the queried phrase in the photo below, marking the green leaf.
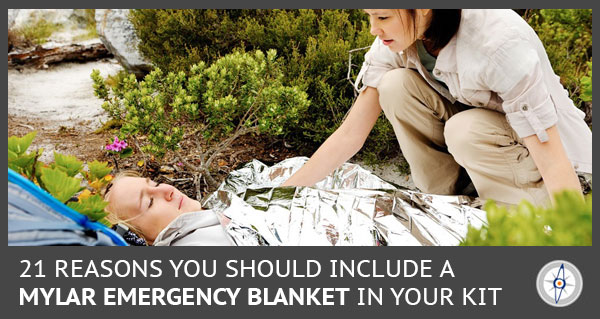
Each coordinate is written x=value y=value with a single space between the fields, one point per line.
x=19 y=145
x=128 y=151
x=59 y=184
x=38 y=173
x=92 y=207
x=68 y=164
x=586 y=85
x=23 y=164
x=12 y=156
x=98 y=170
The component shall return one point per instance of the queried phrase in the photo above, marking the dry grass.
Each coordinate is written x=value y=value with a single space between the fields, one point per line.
x=38 y=31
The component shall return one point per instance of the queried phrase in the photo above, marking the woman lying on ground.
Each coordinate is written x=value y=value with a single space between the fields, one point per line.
x=161 y=214
x=350 y=207
x=471 y=95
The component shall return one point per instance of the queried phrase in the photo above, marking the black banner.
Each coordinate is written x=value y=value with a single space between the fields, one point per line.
x=350 y=282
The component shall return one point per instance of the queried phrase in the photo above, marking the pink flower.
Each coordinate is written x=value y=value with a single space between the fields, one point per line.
x=117 y=145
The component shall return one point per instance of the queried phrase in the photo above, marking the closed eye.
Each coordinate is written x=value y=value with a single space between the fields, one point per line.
x=152 y=198
x=382 y=18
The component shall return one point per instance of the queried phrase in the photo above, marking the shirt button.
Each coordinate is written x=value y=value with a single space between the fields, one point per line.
x=524 y=107
x=437 y=72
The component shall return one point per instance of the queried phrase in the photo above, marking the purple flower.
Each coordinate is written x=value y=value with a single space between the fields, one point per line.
x=116 y=146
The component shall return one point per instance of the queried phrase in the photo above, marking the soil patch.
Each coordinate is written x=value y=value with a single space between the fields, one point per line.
x=51 y=136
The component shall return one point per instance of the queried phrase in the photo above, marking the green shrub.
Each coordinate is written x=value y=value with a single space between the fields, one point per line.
x=567 y=37
x=238 y=94
x=567 y=223
x=313 y=47
x=586 y=85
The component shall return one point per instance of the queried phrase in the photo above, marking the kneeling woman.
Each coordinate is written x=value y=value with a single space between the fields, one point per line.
x=470 y=94
x=161 y=213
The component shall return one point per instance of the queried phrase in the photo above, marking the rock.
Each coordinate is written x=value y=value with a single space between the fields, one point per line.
x=167 y=169
x=12 y=15
x=71 y=26
x=64 y=17
x=118 y=35
x=79 y=17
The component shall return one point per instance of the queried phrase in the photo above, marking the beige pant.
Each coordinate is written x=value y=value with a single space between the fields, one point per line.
x=437 y=138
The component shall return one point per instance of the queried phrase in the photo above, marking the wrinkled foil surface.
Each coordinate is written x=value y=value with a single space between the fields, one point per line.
x=350 y=207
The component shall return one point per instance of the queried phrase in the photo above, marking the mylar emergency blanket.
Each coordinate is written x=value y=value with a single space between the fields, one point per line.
x=350 y=207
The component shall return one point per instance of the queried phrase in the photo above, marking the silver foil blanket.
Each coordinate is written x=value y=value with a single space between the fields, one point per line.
x=350 y=207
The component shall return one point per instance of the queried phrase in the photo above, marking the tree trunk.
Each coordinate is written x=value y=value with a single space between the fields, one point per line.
x=41 y=57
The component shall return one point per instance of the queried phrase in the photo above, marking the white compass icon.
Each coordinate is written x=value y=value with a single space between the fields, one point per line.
x=559 y=283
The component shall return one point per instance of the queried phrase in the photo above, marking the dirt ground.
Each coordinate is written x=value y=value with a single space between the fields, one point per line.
x=60 y=137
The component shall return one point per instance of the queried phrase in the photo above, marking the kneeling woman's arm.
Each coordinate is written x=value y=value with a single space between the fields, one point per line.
x=552 y=162
x=346 y=141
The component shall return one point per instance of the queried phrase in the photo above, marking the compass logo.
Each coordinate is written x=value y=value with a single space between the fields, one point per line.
x=559 y=283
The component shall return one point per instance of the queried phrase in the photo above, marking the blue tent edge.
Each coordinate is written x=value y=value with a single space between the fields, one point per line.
x=65 y=210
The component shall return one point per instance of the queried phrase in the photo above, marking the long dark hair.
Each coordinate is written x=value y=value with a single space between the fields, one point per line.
x=444 y=25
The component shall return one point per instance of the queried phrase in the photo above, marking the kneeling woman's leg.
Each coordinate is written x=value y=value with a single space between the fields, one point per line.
x=418 y=114
x=495 y=158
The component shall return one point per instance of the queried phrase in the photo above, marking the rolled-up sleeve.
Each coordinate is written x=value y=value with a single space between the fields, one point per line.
x=378 y=60
x=515 y=74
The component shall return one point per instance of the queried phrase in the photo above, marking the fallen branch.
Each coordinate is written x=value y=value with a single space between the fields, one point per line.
x=26 y=126
x=202 y=170
x=42 y=57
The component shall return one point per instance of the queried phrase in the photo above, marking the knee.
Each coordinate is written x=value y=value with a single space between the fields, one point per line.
x=461 y=134
x=395 y=84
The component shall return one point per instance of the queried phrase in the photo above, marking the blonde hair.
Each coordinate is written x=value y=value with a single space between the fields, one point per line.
x=113 y=217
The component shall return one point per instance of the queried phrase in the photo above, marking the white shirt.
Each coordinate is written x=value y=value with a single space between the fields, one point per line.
x=201 y=228
x=496 y=61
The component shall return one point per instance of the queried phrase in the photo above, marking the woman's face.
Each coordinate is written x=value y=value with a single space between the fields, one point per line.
x=396 y=28
x=148 y=205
